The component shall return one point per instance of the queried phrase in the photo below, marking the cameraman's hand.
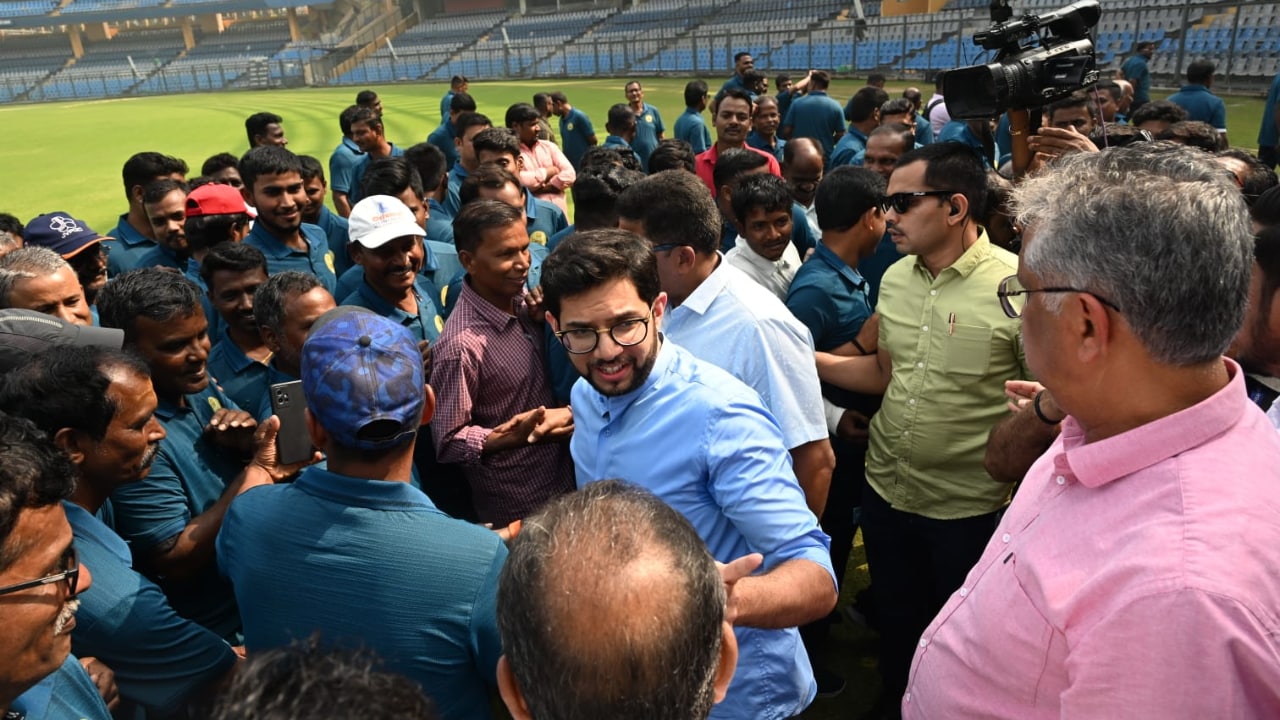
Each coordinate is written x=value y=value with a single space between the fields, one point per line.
x=1055 y=142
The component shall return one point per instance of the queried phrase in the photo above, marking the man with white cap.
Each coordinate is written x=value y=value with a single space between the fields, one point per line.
x=386 y=240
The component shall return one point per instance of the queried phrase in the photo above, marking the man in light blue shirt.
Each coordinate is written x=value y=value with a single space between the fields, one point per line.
x=648 y=412
x=690 y=126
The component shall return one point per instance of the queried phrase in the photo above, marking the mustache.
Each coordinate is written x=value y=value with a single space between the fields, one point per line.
x=65 y=615
x=149 y=457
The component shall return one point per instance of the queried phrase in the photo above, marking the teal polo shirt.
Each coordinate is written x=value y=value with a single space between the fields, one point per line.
x=341 y=164
x=555 y=239
x=425 y=325
x=242 y=378
x=161 y=660
x=452 y=201
x=757 y=141
x=67 y=693
x=439 y=222
x=370 y=564
x=216 y=324
x=357 y=173
x=692 y=128
x=576 y=132
x=958 y=131
x=543 y=219
x=188 y=476
x=830 y=298
x=872 y=268
x=850 y=147
x=445 y=102
x=443 y=138
x=1268 y=133
x=649 y=128
x=159 y=256
x=1201 y=105
x=815 y=116
x=316 y=260
x=617 y=143
x=125 y=247
x=336 y=233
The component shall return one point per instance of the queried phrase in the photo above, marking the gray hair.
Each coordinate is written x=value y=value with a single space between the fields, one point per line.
x=271 y=296
x=1156 y=229
x=26 y=263
x=9 y=242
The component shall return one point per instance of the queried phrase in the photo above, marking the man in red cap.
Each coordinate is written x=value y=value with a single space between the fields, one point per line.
x=215 y=213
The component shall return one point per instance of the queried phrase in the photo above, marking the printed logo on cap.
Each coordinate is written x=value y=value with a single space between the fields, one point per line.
x=64 y=225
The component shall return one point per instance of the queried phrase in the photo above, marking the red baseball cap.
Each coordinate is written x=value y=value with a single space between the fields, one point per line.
x=216 y=199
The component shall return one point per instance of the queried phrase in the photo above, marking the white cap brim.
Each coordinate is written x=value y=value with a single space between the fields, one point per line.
x=383 y=235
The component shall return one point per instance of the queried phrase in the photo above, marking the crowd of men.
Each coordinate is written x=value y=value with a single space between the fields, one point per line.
x=261 y=458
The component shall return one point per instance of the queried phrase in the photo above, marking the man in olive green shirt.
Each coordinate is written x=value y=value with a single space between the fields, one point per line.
x=945 y=351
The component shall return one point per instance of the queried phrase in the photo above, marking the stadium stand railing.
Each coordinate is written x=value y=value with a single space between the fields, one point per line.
x=657 y=37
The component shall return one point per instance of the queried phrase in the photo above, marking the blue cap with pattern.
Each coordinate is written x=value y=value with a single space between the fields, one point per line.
x=362 y=378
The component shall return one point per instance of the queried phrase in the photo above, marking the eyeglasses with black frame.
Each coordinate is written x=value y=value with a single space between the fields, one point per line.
x=70 y=572
x=1011 y=292
x=580 y=341
x=904 y=201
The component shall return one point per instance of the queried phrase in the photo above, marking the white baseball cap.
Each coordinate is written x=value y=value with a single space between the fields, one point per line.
x=379 y=219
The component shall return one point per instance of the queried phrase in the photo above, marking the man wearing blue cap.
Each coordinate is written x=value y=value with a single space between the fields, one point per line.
x=77 y=243
x=354 y=552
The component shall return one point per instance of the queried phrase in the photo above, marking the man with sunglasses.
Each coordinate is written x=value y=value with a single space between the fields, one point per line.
x=649 y=412
x=1125 y=579
x=945 y=352
x=98 y=407
x=39 y=578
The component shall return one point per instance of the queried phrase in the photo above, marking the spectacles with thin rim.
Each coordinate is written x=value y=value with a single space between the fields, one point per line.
x=70 y=573
x=1011 y=288
x=580 y=341
x=667 y=246
x=903 y=201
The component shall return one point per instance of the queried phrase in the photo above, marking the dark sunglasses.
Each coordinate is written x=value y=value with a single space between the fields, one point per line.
x=903 y=201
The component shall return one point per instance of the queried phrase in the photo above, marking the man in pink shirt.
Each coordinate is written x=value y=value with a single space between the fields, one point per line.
x=1135 y=574
x=546 y=172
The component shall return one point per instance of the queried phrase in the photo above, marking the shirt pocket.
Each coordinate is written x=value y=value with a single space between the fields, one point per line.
x=967 y=351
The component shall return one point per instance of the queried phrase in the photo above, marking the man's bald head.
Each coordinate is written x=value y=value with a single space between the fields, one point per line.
x=610 y=606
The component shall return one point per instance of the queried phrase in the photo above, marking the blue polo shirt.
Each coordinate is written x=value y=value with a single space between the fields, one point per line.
x=784 y=103
x=731 y=477
x=452 y=201
x=188 y=476
x=830 y=298
x=125 y=247
x=316 y=260
x=445 y=102
x=216 y=323
x=242 y=378
x=733 y=82
x=958 y=131
x=1201 y=105
x=336 y=555
x=439 y=222
x=692 y=128
x=924 y=130
x=850 y=146
x=649 y=128
x=555 y=239
x=872 y=268
x=443 y=137
x=757 y=141
x=815 y=116
x=543 y=219
x=357 y=173
x=425 y=325
x=159 y=256
x=1135 y=71
x=576 y=132
x=342 y=163
x=439 y=266
x=161 y=660
x=68 y=693
x=337 y=234
x=1268 y=133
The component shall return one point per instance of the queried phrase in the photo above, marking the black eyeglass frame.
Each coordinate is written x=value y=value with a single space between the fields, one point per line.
x=902 y=202
x=562 y=334
x=1005 y=295
x=71 y=574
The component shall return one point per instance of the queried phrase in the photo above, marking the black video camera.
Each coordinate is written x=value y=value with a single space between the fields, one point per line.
x=1026 y=74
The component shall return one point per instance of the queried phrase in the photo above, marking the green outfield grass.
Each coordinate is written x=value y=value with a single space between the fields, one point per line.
x=67 y=156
